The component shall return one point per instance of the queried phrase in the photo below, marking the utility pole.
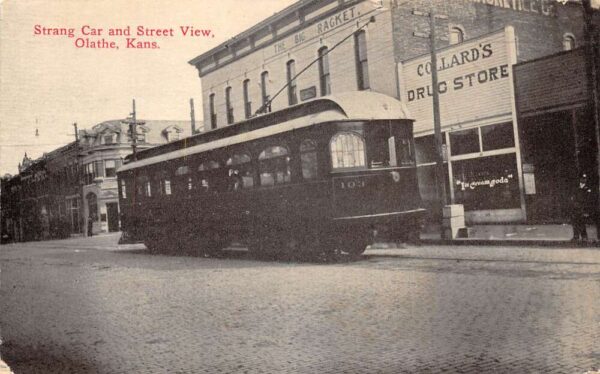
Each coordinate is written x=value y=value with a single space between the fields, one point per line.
x=192 y=116
x=437 y=126
x=80 y=183
x=591 y=67
x=133 y=132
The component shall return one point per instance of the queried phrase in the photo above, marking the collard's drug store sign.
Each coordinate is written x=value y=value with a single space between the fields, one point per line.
x=474 y=82
x=478 y=120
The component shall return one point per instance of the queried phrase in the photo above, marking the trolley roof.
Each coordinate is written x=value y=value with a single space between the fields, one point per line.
x=349 y=106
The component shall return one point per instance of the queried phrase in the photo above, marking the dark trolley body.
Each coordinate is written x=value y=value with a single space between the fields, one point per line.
x=321 y=176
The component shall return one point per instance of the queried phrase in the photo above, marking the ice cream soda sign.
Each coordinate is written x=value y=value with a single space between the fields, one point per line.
x=474 y=81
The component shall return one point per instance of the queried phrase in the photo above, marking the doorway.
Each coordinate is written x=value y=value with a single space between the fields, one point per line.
x=549 y=149
x=112 y=210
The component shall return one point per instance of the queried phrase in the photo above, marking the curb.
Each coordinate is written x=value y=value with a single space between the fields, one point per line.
x=516 y=242
x=4 y=369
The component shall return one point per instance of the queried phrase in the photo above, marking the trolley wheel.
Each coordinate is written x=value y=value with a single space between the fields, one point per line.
x=355 y=248
x=214 y=244
x=354 y=244
x=152 y=246
x=264 y=243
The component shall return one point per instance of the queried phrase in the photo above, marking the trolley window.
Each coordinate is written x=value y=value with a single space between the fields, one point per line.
x=240 y=173
x=209 y=176
x=347 y=150
x=308 y=159
x=164 y=183
x=123 y=189
x=274 y=165
x=389 y=144
x=143 y=186
x=182 y=181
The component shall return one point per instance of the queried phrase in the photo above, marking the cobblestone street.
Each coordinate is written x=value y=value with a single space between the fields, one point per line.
x=88 y=305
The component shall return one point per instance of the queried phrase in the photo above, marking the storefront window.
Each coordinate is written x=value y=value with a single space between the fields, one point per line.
x=497 y=136
x=486 y=182
x=425 y=149
x=464 y=141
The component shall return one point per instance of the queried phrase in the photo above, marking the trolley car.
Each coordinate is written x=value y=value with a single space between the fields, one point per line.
x=320 y=176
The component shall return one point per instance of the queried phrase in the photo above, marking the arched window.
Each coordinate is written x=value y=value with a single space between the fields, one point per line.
x=228 y=106
x=247 y=102
x=264 y=89
x=362 y=64
x=347 y=150
x=291 y=73
x=211 y=108
x=324 y=77
x=208 y=165
x=456 y=35
x=182 y=170
x=568 y=42
x=240 y=173
x=308 y=159
x=274 y=166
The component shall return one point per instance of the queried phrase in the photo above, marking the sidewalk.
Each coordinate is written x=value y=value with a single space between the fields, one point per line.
x=553 y=234
x=503 y=253
x=4 y=369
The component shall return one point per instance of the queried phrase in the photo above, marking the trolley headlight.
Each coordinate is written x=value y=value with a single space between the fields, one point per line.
x=395 y=176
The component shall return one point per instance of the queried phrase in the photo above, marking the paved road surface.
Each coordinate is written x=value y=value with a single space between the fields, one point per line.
x=88 y=305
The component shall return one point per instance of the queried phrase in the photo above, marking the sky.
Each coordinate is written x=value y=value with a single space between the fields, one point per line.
x=48 y=83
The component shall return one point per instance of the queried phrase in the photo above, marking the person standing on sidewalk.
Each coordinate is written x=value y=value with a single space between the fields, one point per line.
x=580 y=203
x=90 y=225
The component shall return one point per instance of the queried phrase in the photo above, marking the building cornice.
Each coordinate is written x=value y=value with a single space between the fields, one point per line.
x=268 y=24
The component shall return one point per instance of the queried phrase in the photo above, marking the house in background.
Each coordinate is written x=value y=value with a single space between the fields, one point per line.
x=104 y=147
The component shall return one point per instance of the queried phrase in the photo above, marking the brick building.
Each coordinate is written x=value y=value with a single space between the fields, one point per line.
x=363 y=45
x=553 y=107
x=57 y=195
x=42 y=201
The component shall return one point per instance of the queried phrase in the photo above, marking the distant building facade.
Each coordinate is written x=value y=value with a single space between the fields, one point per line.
x=42 y=201
x=65 y=190
x=351 y=45
x=104 y=147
